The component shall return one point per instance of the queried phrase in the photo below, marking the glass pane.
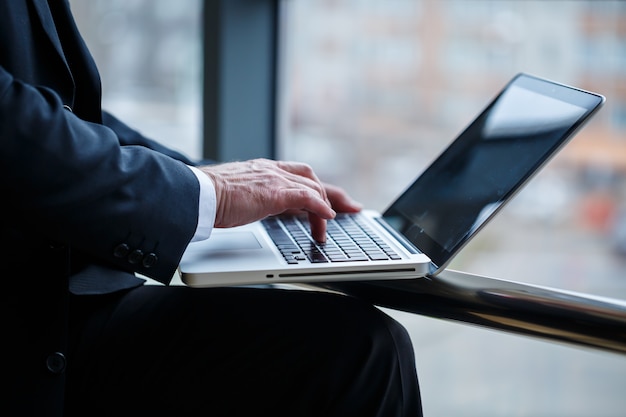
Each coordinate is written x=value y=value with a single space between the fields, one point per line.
x=149 y=56
x=372 y=91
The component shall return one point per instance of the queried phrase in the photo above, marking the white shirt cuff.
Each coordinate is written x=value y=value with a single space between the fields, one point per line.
x=207 y=206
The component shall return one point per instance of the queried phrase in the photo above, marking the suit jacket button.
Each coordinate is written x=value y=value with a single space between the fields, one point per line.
x=121 y=250
x=149 y=260
x=135 y=256
x=56 y=362
x=68 y=108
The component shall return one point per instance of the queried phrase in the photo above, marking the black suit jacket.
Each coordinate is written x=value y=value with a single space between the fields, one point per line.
x=87 y=202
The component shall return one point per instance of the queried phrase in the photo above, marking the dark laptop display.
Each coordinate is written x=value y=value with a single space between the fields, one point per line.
x=514 y=136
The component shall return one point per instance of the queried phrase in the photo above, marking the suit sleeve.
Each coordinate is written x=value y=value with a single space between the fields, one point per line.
x=129 y=136
x=85 y=184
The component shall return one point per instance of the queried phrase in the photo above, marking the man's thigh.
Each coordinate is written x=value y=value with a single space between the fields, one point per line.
x=237 y=351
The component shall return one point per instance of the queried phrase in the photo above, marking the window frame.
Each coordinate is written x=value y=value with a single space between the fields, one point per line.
x=239 y=79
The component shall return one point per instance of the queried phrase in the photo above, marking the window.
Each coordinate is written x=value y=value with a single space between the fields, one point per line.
x=371 y=91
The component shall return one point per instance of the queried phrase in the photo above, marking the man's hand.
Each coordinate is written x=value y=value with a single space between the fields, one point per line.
x=340 y=202
x=251 y=190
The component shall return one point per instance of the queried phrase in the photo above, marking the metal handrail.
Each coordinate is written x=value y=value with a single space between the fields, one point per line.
x=530 y=310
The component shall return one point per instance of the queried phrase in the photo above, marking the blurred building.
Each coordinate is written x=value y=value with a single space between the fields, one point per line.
x=383 y=78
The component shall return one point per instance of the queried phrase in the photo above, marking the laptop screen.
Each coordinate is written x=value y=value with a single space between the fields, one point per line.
x=505 y=145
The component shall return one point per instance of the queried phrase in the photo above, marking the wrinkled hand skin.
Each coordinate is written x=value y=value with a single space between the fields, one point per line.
x=247 y=191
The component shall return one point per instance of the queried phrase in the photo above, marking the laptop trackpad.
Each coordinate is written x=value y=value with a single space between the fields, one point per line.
x=232 y=241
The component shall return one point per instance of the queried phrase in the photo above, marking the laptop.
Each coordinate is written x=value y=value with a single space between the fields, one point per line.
x=420 y=232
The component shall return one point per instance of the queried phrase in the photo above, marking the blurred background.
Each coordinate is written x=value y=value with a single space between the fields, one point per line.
x=149 y=54
x=370 y=92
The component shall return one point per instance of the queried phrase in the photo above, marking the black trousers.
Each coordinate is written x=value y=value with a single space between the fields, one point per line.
x=178 y=351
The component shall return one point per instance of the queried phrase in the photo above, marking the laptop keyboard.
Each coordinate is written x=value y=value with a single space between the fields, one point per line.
x=348 y=238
